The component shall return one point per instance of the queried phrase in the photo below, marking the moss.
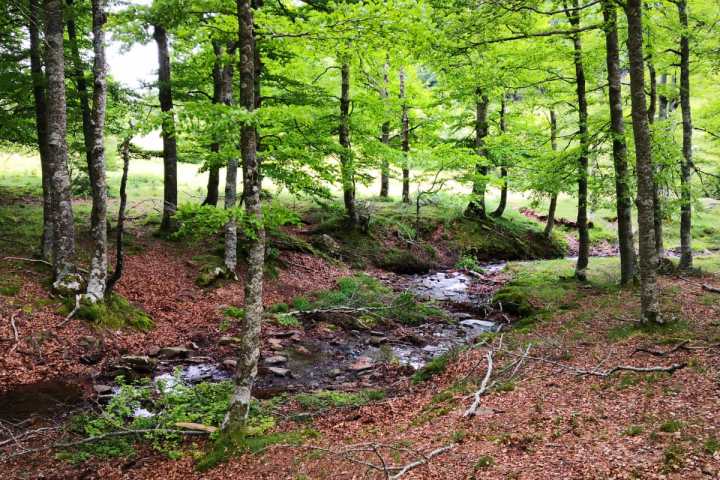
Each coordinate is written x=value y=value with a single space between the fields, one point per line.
x=116 y=313
x=514 y=300
x=485 y=461
x=673 y=330
x=633 y=430
x=436 y=366
x=10 y=286
x=671 y=426
x=325 y=399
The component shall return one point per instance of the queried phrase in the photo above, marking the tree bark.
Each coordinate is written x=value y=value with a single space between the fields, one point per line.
x=623 y=200
x=169 y=138
x=230 y=176
x=347 y=166
x=657 y=193
x=503 y=168
x=663 y=99
x=550 y=223
x=644 y=166
x=249 y=347
x=214 y=170
x=98 y=217
x=65 y=277
x=405 y=127
x=476 y=207
x=385 y=138
x=686 y=257
x=81 y=85
x=119 y=253
x=38 y=82
x=582 y=222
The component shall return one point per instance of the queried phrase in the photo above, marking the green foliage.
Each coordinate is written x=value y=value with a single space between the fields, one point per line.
x=711 y=445
x=287 y=320
x=326 y=399
x=671 y=426
x=115 y=312
x=234 y=312
x=633 y=430
x=483 y=462
x=467 y=262
x=436 y=366
x=514 y=300
x=677 y=329
x=10 y=286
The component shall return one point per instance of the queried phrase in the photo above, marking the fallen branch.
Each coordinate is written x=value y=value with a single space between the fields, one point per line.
x=14 y=327
x=472 y=410
x=710 y=288
x=72 y=312
x=34 y=260
x=316 y=311
x=659 y=353
x=426 y=459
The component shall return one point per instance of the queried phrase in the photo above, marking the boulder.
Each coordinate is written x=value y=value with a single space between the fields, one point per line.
x=174 y=352
x=274 y=360
x=362 y=363
x=139 y=363
x=278 y=371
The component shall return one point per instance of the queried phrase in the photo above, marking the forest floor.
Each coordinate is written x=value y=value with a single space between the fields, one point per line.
x=554 y=407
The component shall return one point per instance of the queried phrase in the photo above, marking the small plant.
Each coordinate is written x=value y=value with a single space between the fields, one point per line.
x=235 y=312
x=671 y=426
x=325 y=399
x=279 y=308
x=633 y=430
x=10 y=287
x=468 y=262
x=435 y=366
x=287 y=320
x=711 y=445
x=301 y=303
x=673 y=457
x=485 y=461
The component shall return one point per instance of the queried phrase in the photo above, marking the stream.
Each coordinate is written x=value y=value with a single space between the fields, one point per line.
x=321 y=356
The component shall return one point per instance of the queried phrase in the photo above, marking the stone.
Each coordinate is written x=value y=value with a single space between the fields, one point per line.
x=91 y=358
x=153 y=350
x=302 y=350
x=139 y=363
x=278 y=371
x=275 y=343
x=102 y=389
x=226 y=340
x=174 y=352
x=229 y=364
x=374 y=340
x=474 y=323
x=335 y=372
x=275 y=360
x=362 y=363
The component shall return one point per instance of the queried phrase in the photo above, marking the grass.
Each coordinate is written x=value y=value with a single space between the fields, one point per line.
x=325 y=399
x=436 y=366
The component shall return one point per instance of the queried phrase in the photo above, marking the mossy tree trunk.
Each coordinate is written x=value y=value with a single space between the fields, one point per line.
x=503 y=167
x=476 y=207
x=405 y=133
x=550 y=223
x=686 y=258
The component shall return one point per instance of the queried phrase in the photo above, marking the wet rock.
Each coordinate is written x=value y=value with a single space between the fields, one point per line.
x=274 y=360
x=153 y=350
x=474 y=323
x=327 y=244
x=229 y=364
x=138 y=363
x=375 y=340
x=335 y=372
x=91 y=358
x=413 y=340
x=280 y=372
x=362 y=363
x=174 y=352
x=102 y=389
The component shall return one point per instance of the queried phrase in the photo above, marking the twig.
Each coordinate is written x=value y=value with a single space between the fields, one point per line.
x=14 y=327
x=472 y=410
x=658 y=353
x=426 y=459
x=710 y=288
x=520 y=362
x=72 y=312
x=34 y=260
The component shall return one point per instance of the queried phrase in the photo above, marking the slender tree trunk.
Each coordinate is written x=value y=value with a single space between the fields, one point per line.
x=686 y=258
x=170 y=195
x=38 y=81
x=81 y=84
x=662 y=98
x=249 y=348
x=230 y=176
x=476 y=207
x=553 y=198
x=66 y=279
x=214 y=170
x=98 y=217
x=347 y=166
x=623 y=200
x=644 y=165
x=503 y=168
x=119 y=233
x=582 y=221
x=385 y=137
x=405 y=123
x=652 y=107
x=657 y=188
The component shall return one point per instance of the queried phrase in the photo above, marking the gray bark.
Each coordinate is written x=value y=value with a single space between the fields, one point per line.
x=119 y=253
x=623 y=201
x=385 y=138
x=476 y=207
x=347 y=166
x=644 y=166
x=98 y=216
x=230 y=179
x=249 y=347
x=38 y=82
x=582 y=221
x=169 y=138
x=503 y=168
x=405 y=126
x=550 y=223
x=686 y=257
x=214 y=170
x=65 y=279
x=80 y=84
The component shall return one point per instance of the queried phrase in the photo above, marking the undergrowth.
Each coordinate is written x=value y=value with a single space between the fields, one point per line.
x=115 y=313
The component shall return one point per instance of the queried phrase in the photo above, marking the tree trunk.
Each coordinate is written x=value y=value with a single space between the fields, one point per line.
x=38 y=82
x=249 y=348
x=385 y=138
x=644 y=165
x=553 y=198
x=66 y=279
x=347 y=166
x=170 y=195
x=98 y=216
x=214 y=170
x=623 y=200
x=503 y=168
x=81 y=84
x=582 y=222
x=686 y=258
x=663 y=99
x=119 y=254
x=652 y=107
x=405 y=126
x=230 y=175
x=476 y=207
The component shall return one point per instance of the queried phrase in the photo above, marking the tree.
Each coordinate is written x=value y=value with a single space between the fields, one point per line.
x=65 y=278
x=549 y=224
x=249 y=348
x=503 y=167
x=644 y=166
x=405 y=135
x=476 y=207
x=214 y=170
x=623 y=201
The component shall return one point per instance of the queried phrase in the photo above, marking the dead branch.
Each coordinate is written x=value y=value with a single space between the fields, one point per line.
x=710 y=288
x=659 y=353
x=72 y=312
x=426 y=459
x=33 y=260
x=14 y=327
x=472 y=410
x=317 y=311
